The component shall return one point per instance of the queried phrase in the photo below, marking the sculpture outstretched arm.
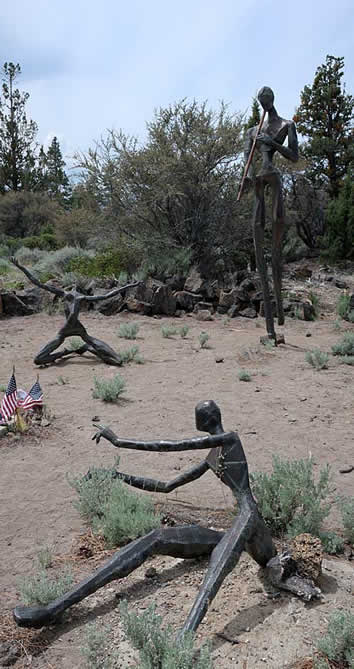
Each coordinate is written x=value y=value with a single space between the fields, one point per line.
x=153 y=485
x=112 y=293
x=166 y=446
x=31 y=277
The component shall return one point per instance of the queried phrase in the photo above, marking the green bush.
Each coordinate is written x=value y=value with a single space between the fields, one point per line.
x=45 y=558
x=131 y=355
x=127 y=515
x=42 y=589
x=27 y=256
x=168 y=331
x=317 y=359
x=112 y=509
x=203 y=340
x=289 y=499
x=243 y=375
x=157 y=647
x=54 y=263
x=343 y=305
x=46 y=241
x=111 y=262
x=95 y=649
x=183 y=331
x=75 y=343
x=128 y=330
x=338 y=643
x=346 y=506
x=345 y=346
x=109 y=390
x=315 y=301
x=5 y=267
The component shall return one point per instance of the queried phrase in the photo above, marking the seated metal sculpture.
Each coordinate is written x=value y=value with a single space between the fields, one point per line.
x=73 y=327
x=248 y=531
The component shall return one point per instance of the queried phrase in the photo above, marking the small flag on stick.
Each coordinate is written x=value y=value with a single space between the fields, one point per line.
x=34 y=397
x=9 y=401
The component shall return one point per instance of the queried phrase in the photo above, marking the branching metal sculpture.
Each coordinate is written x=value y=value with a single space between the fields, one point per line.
x=248 y=531
x=73 y=327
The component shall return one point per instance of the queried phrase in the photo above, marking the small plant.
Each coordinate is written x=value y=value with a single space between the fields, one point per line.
x=337 y=645
x=337 y=324
x=183 y=331
x=109 y=390
x=128 y=330
x=315 y=301
x=345 y=346
x=111 y=509
x=317 y=359
x=94 y=649
x=348 y=359
x=269 y=344
x=331 y=542
x=157 y=647
x=62 y=381
x=131 y=355
x=203 y=340
x=226 y=321
x=168 y=331
x=45 y=557
x=289 y=499
x=346 y=507
x=42 y=589
x=2 y=389
x=243 y=375
x=343 y=305
x=297 y=313
x=75 y=343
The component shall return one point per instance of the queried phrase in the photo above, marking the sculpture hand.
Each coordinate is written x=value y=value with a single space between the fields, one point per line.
x=265 y=140
x=103 y=432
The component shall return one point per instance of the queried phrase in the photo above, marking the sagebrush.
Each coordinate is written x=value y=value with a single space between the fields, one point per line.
x=337 y=645
x=95 y=648
x=41 y=588
x=345 y=346
x=157 y=647
x=244 y=375
x=317 y=359
x=290 y=500
x=128 y=330
x=109 y=390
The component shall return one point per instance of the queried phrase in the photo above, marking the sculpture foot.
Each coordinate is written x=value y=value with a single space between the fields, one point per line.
x=33 y=616
x=281 y=571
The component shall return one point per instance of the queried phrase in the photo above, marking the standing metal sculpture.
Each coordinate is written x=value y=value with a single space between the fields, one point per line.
x=268 y=138
x=73 y=327
x=248 y=531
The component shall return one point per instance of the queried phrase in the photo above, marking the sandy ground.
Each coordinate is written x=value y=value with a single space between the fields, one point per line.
x=287 y=409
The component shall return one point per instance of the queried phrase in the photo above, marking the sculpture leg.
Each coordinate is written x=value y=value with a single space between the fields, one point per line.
x=183 y=542
x=46 y=356
x=223 y=559
x=102 y=350
x=277 y=241
x=258 y=237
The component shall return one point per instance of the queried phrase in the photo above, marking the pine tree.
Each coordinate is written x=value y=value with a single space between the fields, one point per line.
x=56 y=181
x=17 y=134
x=325 y=118
x=255 y=116
x=340 y=222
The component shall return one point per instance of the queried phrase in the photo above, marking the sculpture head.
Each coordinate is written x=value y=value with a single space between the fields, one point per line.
x=266 y=98
x=208 y=417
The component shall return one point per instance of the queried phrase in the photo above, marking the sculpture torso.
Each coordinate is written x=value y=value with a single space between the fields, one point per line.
x=277 y=128
x=229 y=464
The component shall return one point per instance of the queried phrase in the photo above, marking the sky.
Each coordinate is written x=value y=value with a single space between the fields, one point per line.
x=89 y=66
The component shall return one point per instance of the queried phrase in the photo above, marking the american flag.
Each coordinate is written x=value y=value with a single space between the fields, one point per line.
x=9 y=401
x=34 y=397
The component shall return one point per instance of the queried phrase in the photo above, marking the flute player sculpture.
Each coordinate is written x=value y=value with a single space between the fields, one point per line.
x=72 y=326
x=247 y=532
x=268 y=138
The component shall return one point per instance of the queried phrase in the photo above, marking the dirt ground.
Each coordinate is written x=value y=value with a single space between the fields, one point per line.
x=288 y=409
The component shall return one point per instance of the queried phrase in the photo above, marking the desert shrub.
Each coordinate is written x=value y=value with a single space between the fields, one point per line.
x=183 y=331
x=243 y=375
x=111 y=262
x=347 y=359
x=46 y=241
x=317 y=359
x=289 y=499
x=5 y=267
x=75 y=343
x=27 y=256
x=131 y=355
x=345 y=346
x=94 y=649
x=203 y=340
x=45 y=558
x=57 y=262
x=343 y=305
x=109 y=390
x=168 y=331
x=331 y=542
x=128 y=330
x=42 y=589
x=346 y=507
x=93 y=491
x=337 y=645
x=157 y=647
x=127 y=515
x=24 y=213
x=111 y=508
x=315 y=301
